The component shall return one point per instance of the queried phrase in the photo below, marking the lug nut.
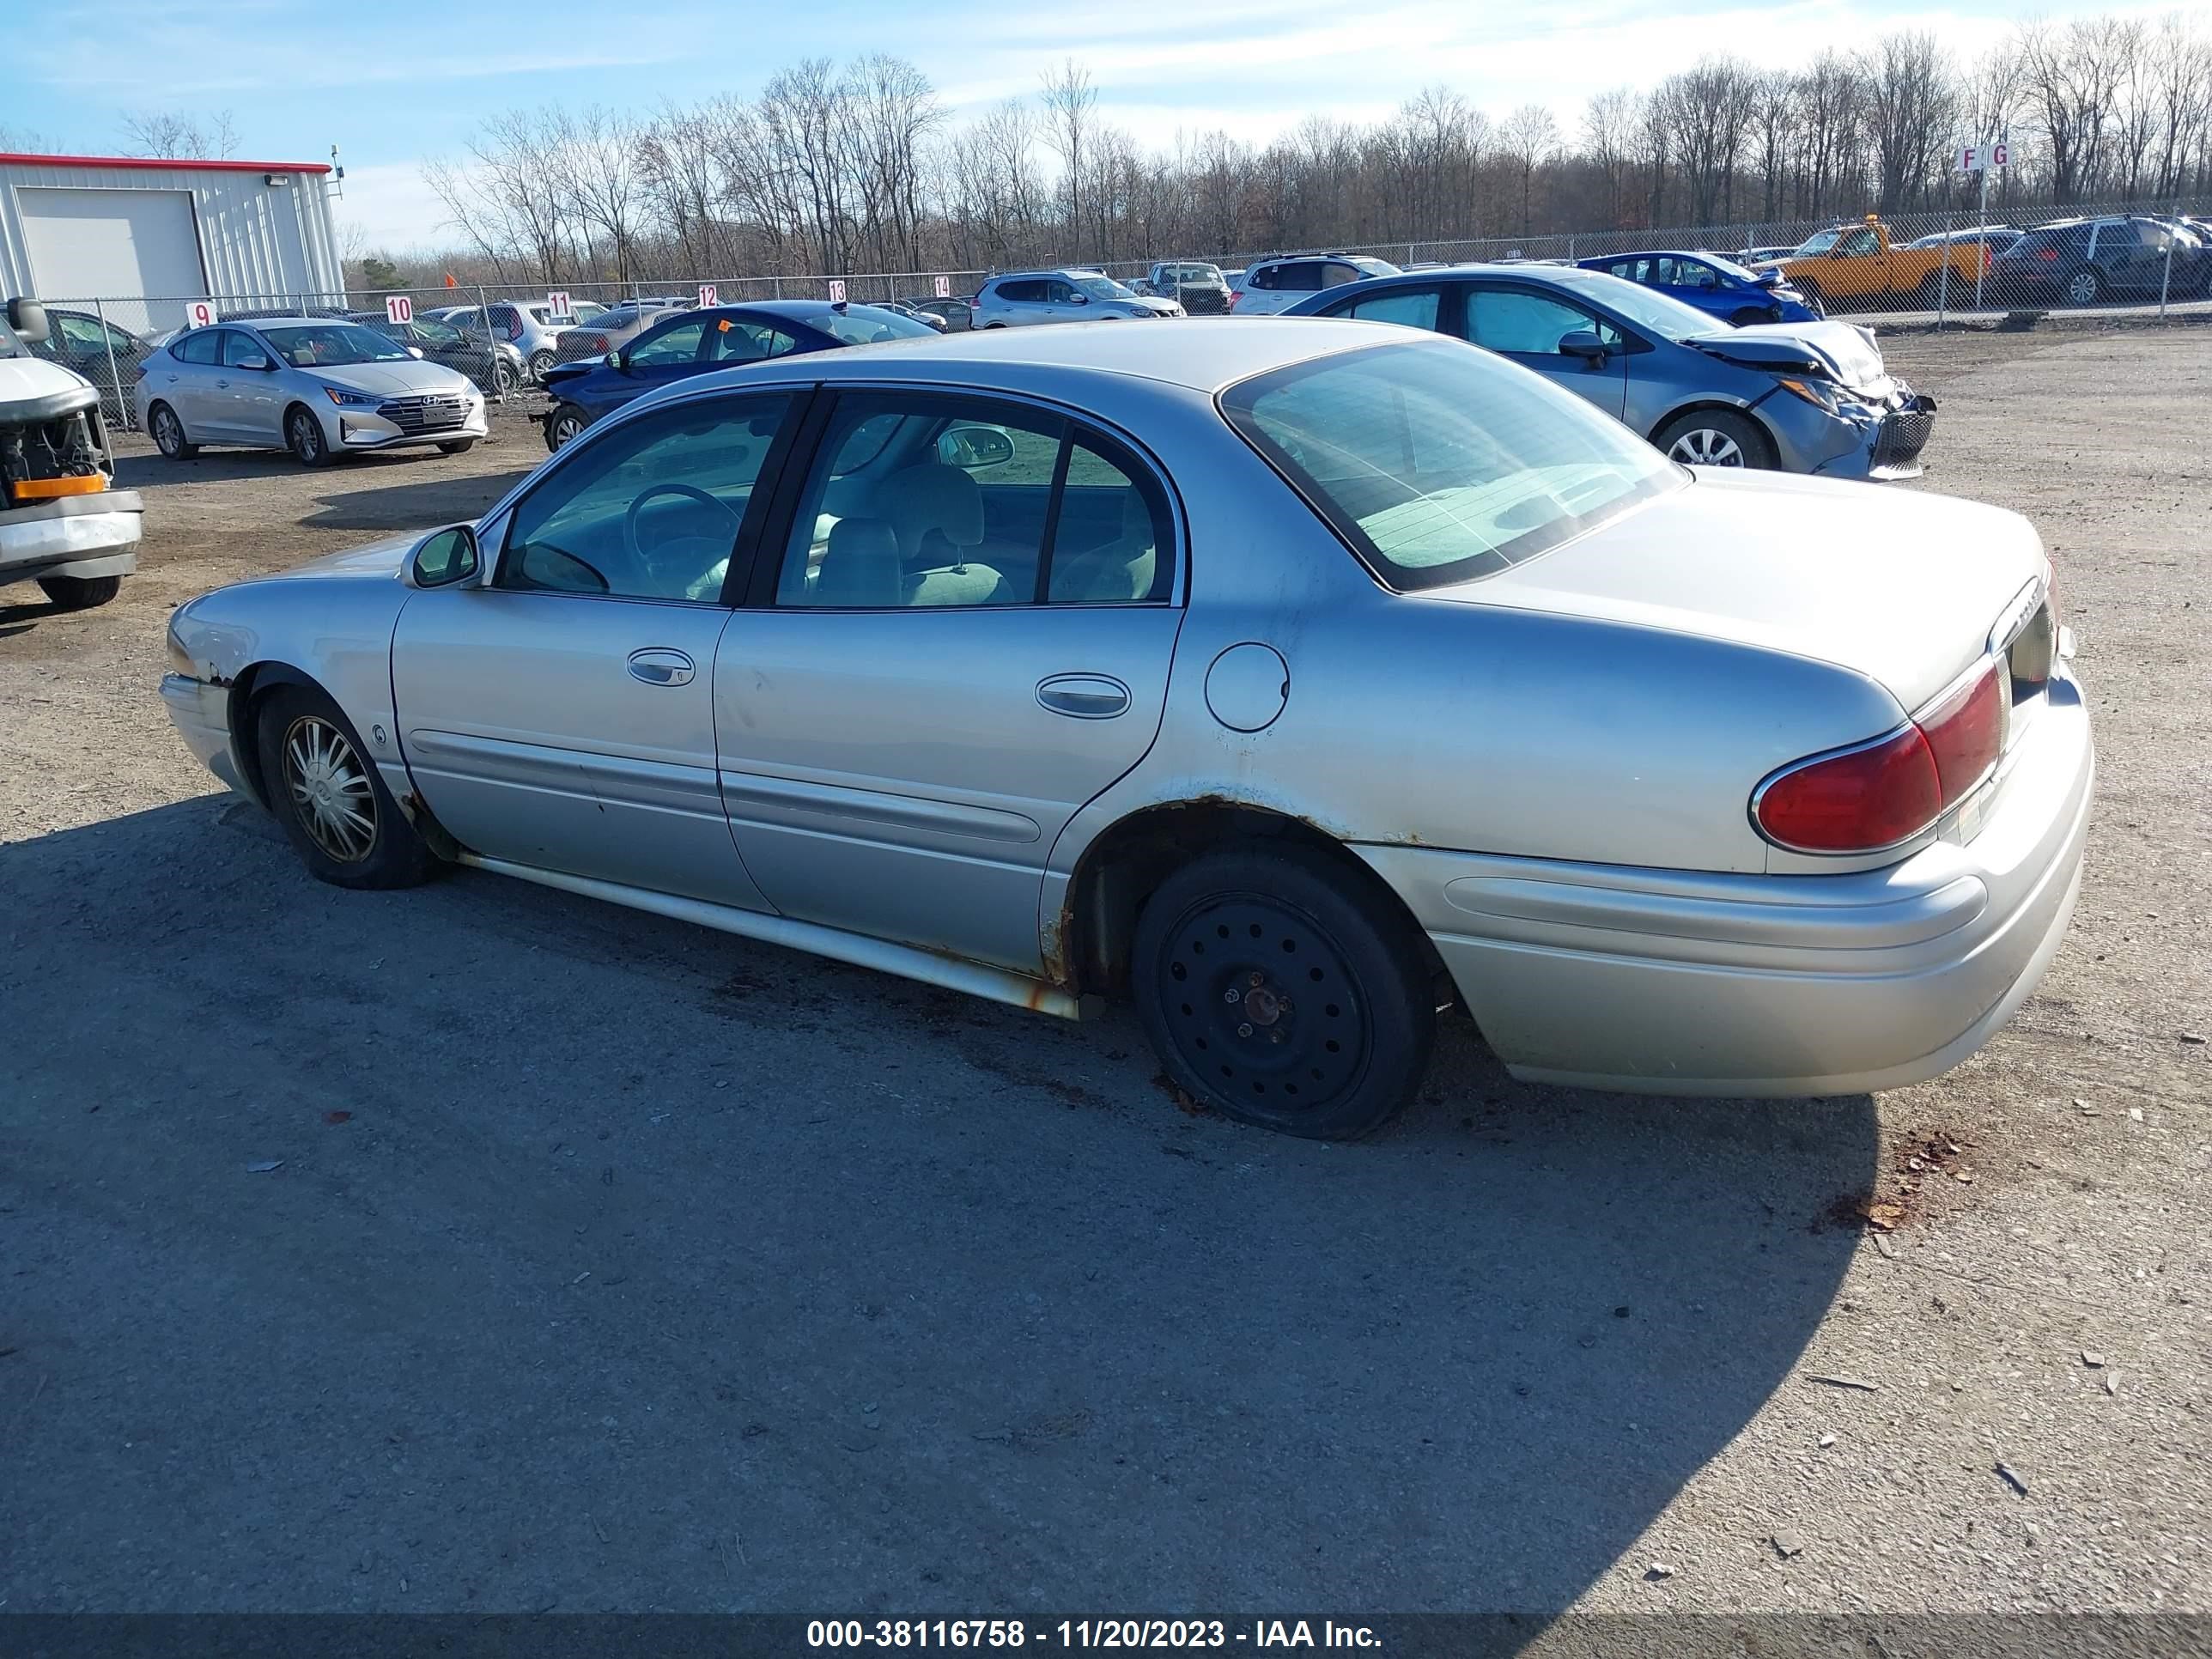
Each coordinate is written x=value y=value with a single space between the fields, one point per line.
x=1243 y=1031
x=1259 y=979
x=1230 y=996
x=1275 y=1035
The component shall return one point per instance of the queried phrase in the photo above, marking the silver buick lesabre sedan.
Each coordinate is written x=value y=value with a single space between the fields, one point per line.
x=1293 y=678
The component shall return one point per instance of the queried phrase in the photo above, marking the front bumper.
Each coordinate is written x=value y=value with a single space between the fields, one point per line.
x=75 y=535
x=379 y=428
x=201 y=714
x=1879 y=442
x=1674 y=982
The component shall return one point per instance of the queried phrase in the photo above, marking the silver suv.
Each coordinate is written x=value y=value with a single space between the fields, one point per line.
x=1270 y=286
x=1070 y=295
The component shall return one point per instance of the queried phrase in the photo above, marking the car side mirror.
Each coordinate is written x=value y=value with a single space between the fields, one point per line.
x=444 y=557
x=618 y=362
x=1583 y=342
x=972 y=447
x=1079 y=299
x=414 y=352
x=258 y=364
x=28 y=318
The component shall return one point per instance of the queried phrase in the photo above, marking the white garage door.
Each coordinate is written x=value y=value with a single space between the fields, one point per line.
x=85 y=243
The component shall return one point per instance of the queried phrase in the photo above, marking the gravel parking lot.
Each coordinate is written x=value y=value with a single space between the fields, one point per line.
x=482 y=1247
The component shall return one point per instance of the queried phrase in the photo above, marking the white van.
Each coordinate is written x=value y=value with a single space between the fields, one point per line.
x=60 y=524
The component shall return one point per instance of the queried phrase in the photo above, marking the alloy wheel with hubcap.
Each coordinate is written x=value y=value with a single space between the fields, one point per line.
x=564 y=424
x=169 y=433
x=319 y=780
x=1705 y=446
x=303 y=436
x=2084 y=288
x=330 y=789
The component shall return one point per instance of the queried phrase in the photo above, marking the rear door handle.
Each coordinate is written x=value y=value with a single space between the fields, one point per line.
x=1083 y=696
x=661 y=664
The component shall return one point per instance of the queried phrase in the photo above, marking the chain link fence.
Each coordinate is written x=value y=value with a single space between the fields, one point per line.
x=505 y=336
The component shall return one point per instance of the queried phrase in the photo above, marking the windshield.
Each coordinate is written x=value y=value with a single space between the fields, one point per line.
x=865 y=325
x=1439 y=464
x=1819 y=242
x=1648 y=308
x=333 y=345
x=1102 y=288
x=434 y=332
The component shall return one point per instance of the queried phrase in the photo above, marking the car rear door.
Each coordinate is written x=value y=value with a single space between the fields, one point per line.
x=1527 y=324
x=957 y=633
x=560 y=715
x=184 y=378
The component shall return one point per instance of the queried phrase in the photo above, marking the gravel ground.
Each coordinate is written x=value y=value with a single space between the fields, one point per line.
x=606 y=1262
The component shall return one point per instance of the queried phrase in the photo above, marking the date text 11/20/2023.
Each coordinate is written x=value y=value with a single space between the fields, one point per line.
x=1087 y=1633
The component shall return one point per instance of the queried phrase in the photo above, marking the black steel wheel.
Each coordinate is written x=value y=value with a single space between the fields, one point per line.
x=1280 y=991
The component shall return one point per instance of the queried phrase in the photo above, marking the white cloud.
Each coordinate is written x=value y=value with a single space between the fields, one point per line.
x=393 y=210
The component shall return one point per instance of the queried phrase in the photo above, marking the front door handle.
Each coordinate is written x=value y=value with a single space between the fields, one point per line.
x=659 y=665
x=1083 y=696
x=224 y=384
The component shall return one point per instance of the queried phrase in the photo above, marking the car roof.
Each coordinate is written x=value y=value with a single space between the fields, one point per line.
x=1567 y=275
x=1202 y=353
x=796 y=311
x=1651 y=253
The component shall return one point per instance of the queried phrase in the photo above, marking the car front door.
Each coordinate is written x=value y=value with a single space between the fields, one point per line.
x=1527 y=326
x=562 y=714
x=958 y=633
x=668 y=351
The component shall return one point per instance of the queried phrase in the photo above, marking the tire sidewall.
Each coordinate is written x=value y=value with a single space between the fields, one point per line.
x=561 y=412
x=165 y=422
x=398 y=859
x=1758 y=454
x=298 y=419
x=1388 y=981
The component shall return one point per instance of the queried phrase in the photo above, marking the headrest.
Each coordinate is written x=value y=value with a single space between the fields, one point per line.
x=931 y=496
x=860 y=566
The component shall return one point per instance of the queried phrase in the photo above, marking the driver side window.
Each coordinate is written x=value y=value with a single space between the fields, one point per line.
x=648 y=510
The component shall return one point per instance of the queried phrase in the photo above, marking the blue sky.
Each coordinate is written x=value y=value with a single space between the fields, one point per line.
x=393 y=90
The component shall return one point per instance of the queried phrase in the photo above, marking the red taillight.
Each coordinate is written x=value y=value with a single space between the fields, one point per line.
x=1875 y=796
x=1856 y=801
x=974 y=302
x=1235 y=294
x=2047 y=255
x=1966 y=732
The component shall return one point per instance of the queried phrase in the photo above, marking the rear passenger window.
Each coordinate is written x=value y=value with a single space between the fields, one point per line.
x=1414 y=307
x=922 y=503
x=1265 y=278
x=200 y=346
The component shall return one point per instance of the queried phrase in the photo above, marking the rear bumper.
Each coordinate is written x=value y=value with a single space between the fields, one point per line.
x=75 y=535
x=1666 y=982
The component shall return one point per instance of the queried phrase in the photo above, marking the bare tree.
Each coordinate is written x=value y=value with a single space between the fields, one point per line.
x=1528 y=139
x=2069 y=76
x=1911 y=99
x=1071 y=106
x=167 y=135
x=1709 y=109
x=1609 y=141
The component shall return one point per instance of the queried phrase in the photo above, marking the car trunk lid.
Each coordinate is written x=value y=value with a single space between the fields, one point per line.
x=1905 y=587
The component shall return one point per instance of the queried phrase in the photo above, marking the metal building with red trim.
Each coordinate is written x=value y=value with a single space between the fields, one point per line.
x=148 y=236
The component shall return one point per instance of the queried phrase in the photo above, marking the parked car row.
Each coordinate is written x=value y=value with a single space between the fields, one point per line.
x=2076 y=261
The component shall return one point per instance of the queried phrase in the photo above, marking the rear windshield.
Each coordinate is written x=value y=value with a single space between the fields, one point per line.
x=1374 y=267
x=865 y=325
x=1439 y=463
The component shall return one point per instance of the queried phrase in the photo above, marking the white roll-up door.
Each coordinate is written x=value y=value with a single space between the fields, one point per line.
x=130 y=244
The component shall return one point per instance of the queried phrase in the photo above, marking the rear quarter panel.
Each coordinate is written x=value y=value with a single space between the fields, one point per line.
x=1422 y=721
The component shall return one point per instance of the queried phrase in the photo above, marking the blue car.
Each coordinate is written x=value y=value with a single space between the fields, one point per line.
x=1714 y=284
x=695 y=341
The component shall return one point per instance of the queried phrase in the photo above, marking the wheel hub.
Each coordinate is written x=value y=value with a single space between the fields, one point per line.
x=331 y=790
x=1261 y=1005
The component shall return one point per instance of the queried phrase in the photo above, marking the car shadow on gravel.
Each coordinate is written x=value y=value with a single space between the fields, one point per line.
x=518 y=1250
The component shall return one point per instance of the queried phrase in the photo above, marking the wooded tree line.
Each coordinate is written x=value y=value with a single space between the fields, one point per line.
x=860 y=167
